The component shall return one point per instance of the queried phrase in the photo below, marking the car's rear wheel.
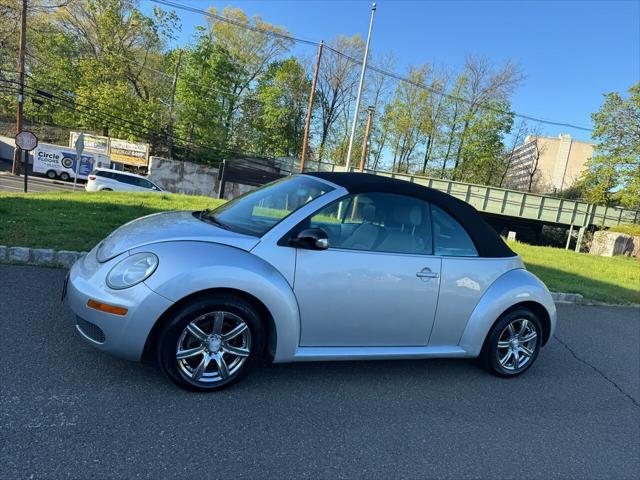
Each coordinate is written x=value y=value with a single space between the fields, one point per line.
x=513 y=343
x=64 y=176
x=211 y=343
x=51 y=174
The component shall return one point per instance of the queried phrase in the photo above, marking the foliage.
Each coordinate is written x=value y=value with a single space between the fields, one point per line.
x=281 y=107
x=632 y=229
x=613 y=174
x=108 y=67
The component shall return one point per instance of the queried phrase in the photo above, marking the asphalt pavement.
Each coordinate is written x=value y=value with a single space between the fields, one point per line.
x=69 y=411
x=15 y=184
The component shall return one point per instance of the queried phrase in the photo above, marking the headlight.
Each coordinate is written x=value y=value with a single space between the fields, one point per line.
x=132 y=270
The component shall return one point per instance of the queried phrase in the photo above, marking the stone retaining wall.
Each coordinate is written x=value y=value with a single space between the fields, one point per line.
x=609 y=244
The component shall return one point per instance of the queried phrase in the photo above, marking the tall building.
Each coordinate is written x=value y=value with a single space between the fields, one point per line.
x=550 y=164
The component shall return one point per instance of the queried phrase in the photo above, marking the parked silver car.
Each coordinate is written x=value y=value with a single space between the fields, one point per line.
x=324 y=266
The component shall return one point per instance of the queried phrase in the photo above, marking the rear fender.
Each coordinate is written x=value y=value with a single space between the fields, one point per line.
x=514 y=287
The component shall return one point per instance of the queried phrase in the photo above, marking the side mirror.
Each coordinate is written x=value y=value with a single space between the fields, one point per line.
x=311 y=239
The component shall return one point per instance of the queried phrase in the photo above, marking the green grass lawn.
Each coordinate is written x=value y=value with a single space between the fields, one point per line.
x=604 y=279
x=77 y=221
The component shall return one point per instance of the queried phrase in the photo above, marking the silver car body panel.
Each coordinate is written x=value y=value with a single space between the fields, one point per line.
x=125 y=336
x=168 y=227
x=186 y=268
x=463 y=282
x=357 y=298
x=514 y=287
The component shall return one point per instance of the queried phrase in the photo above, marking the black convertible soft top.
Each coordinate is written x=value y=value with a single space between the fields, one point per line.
x=487 y=241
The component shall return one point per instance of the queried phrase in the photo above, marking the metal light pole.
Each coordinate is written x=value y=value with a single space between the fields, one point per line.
x=364 y=67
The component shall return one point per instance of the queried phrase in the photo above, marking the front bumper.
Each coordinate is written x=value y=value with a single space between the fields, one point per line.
x=121 y=335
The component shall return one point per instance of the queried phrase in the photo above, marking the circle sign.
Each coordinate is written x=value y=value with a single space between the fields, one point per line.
x=26 y=140
x=67 y=162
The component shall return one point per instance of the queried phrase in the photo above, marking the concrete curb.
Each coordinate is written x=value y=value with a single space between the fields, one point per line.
x=64 y=258
x=559 y=297
x=46 y=257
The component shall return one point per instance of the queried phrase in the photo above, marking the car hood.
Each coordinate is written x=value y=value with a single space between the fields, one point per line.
x=168 y=227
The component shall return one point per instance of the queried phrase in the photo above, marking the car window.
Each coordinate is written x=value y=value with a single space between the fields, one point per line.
x=126 y=179
x=257 y=211
x=143 y=183
x=449 y=237
x=379 y=222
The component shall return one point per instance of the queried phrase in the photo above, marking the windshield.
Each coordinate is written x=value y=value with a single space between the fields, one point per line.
x=256 y=212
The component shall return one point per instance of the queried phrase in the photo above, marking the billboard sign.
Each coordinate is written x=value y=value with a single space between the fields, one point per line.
x=93 y=143
x=129 y=153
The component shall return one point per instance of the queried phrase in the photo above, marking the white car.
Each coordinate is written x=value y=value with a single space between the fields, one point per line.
x=104 y=179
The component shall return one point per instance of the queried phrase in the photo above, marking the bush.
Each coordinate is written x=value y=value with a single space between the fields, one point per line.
x=632 y=229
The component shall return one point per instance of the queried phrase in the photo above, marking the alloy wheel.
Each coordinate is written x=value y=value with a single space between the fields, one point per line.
x=516 y=345
x=213 y=347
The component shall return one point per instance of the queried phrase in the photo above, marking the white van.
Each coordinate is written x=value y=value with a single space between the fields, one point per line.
x=60 y=162
x=104 y=179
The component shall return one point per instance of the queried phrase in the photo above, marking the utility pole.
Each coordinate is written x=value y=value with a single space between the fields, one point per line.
x=307 y=122
x=23 y=40
x=174 y=83
x=364 y=68
x=365 y=140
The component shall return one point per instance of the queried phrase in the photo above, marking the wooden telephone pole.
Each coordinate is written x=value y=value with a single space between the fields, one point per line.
x=307 y=122
x=174 y=83
x=365 y=140
x=23 y=40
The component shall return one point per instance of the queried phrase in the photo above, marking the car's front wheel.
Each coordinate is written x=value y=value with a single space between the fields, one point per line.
x=211 y=343
x=513 y=343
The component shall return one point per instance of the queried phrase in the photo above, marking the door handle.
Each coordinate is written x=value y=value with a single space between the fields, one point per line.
x=427 y=273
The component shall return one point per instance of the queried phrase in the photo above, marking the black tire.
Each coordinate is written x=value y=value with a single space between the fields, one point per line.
x=173 y=331
x=51 y=174
x=64 y=176
x=106 y=190
x=490 y=354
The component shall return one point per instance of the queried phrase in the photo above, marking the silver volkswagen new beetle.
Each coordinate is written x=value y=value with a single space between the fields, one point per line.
x=323 y=266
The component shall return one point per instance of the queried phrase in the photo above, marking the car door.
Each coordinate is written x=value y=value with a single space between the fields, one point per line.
x=126 y=183
x=377 y=282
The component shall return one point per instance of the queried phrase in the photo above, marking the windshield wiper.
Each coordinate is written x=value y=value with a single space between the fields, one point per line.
x=205 y=216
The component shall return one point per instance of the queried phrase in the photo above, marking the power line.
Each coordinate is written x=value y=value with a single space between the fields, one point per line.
x=235 y=22
x=371 y=67
x=95 y=114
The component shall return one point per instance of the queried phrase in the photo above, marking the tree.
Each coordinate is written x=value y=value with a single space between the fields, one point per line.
x=282 y=97
x=613 y=173
x=250 y=50
x=407 y=117
x=532 y=168
x=482 y=86
x=517 y=138
x=336 y=84
x=483 y=147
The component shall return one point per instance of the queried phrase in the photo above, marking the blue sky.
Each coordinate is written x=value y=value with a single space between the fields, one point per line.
x=571 y=51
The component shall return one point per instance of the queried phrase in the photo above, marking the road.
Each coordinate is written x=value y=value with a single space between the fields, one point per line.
x=69 y=411
x=12 y=184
